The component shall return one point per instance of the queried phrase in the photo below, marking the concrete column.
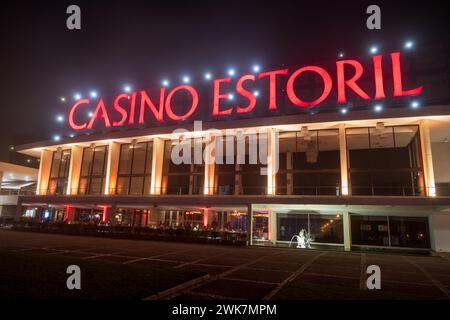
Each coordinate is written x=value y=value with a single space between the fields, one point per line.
x=439 y=225
x=108 y=213
x=70 y=214
x=249 y=225
x=112 y=167
x=347 y=230
x=76 y=158
x=157 y=165
x=45 y=166
x=427 y=158
x=272 y=160
x=273 y=227
x=210 y=167
x=345 y=190
x=206 y=217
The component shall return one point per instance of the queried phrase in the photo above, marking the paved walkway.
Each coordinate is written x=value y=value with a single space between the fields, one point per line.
x=249 y=272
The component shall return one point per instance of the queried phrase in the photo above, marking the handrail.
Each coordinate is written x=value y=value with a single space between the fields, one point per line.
x=332 y=190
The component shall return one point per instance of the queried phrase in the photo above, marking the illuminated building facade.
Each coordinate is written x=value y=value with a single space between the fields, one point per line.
x=359 y=159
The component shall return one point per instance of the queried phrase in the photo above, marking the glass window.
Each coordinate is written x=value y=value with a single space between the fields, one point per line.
x=93 y=170
x=290 y=225
x=183 y=178
x=409 y=232
x=370 y=230
x=59 y=172
x=225 y=166
x=309 y=163
x=385 y=161
x=135 y=165
x=326 y=228
x=251 y=180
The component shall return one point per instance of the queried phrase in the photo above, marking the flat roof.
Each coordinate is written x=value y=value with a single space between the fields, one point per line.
x=335 y=118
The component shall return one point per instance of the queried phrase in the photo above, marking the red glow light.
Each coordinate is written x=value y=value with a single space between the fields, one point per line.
x=327 y=84
x=193 y=107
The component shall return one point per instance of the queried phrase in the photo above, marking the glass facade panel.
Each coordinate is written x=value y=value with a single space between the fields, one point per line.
x=290 y=225
x=409 y=232
x=394 y=231
x=183 y=178
x=309 y=163
x=135 y=168
x=326 y=228
x=59 y=172
x=93 y=170
x=385 y=161
x=370 y=230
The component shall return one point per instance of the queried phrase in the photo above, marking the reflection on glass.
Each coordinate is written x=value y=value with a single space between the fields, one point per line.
x=93 y=170
x=309 y=162
x=59 y=172
x=186 y=177
x=385 y=161
x=135 y=168
x=322 y=228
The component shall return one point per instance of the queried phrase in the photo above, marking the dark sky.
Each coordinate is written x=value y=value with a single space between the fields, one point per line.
x=140 y=42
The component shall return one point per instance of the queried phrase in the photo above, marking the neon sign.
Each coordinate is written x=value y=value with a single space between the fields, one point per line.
x=132 y=108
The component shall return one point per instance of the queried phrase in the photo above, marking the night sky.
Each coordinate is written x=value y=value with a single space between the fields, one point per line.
x=141 y=42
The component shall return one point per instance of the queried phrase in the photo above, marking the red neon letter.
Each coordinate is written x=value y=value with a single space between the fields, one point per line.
x=132 y=107
x=327 y=84
x=378 y=72
x=121 y=110
x=145 y=100
x=194 y=104
x=72 y=123
x=351 y=83
x=397 y=78
x=218 y=96
x=104 y=114
x=245 y=93
x=273 y=85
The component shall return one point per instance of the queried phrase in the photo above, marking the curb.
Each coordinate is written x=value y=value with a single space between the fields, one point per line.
x=183 y=286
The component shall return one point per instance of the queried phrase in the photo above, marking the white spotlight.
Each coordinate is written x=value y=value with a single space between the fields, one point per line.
x=127 y=88
x=71 y=135
x=256 y=68
x=415 y=104
x=56 y=137
x=256 y=93
x=165 y=82
x=341 y=55
x=63 y=99
x=207 y=76
x=90 y=114
x=231 y=72
x=409 y=44
x=93 y=94
x=77 y=96
x=60 y=118
x=374 y=49
x=230 y=96
x=344 y=110
x=186 y=79
x=378 y=108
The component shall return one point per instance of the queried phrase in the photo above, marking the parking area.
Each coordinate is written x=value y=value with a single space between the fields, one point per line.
x=251 y=272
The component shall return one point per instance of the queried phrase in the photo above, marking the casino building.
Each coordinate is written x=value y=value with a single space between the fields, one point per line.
x=357 y=156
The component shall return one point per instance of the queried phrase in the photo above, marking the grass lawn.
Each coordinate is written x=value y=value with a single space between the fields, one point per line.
x=27 y=275
x=300 y=290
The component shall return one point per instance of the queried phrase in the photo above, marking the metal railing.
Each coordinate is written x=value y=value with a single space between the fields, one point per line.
x=399 y=191
x=14 y=192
